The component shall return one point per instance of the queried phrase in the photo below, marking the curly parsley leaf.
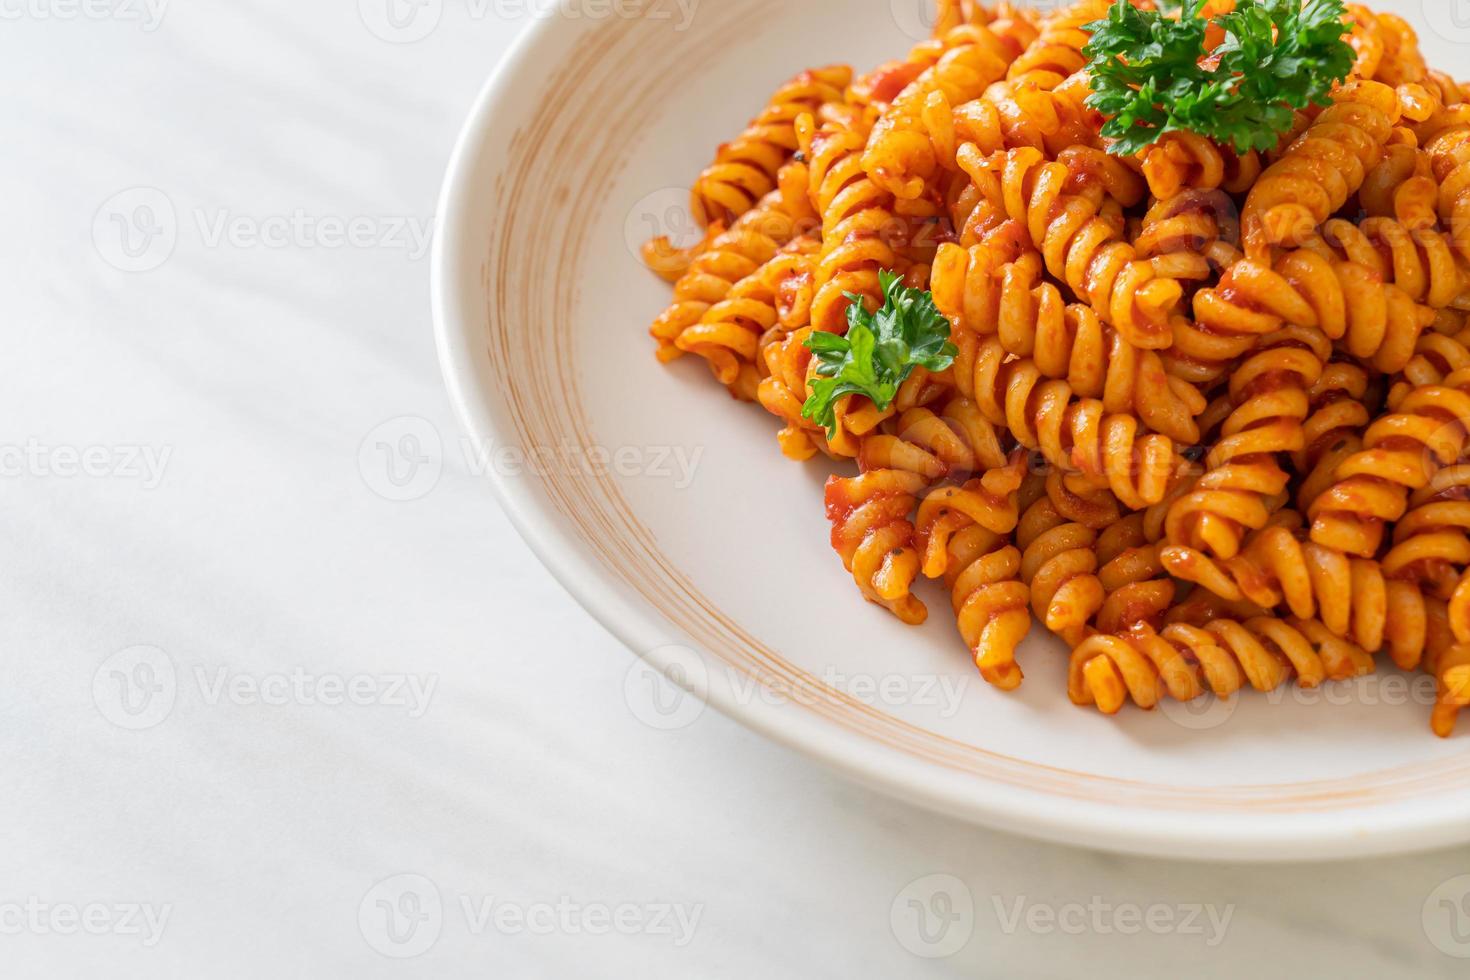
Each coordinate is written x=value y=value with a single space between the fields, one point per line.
x=879 y=351
x=1151 y=74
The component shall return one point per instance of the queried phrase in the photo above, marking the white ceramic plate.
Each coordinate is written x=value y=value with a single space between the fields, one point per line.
x=582 y=145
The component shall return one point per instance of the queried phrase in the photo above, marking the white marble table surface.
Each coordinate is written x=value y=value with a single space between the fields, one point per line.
x=217 y=762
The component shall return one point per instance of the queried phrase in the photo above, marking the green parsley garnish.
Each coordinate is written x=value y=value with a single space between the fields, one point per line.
x=1278 y=56
x=879 y=351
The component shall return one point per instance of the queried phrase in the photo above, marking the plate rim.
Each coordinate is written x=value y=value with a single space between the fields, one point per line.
x=1313 y=835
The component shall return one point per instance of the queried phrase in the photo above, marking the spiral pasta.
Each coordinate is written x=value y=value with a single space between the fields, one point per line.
x=1086 y=248
x=1388 y=50
x=1333 y=430
x=1185 y=662
x=1074 y=434
x=1135 y=585
x=1401 y=452
x=900 y=156
x=1352 y=597
x=1450 y=152
x=745 y=169
x=1059 y=564
x=1419 y=263
x=1321 y=170
x=728 y=333
x=1451 y=671
x=1204 y=414
x=1243 y=483
x=872 y=532
x=1186 y=161
x=730 y=257
x=861 y=232
x=1431 y=543
x=995 y=289
x=954 y=444
x=782 y=392
x=963 y=533
x=1192 y=222
x=1374 y=320
x=1440 y=352
x=1058 y=48
x=949 y=14
x=1039 y=108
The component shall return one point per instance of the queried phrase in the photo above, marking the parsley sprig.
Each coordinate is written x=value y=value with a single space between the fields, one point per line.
x=879 y=351
x=1151 y=74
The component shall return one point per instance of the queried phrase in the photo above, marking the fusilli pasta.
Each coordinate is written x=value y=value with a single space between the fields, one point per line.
x=1201 y=408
